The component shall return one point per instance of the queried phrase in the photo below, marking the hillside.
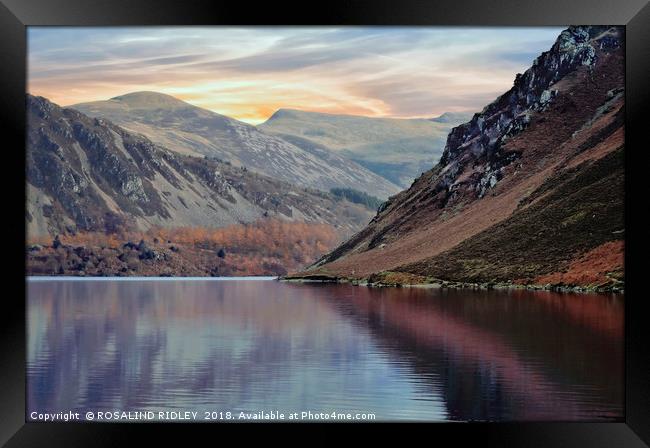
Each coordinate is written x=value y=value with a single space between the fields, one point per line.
x=397 y=149
x=529 y=191
x=191 y=130
x=89 y=175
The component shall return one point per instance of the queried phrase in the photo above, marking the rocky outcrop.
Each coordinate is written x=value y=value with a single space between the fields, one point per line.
x=481 y=139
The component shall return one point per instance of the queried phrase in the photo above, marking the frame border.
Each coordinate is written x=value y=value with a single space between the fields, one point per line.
x=16 y=15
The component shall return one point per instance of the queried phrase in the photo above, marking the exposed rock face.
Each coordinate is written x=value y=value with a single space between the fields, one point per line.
x=500 y=167
x=86 y=174
x=187 y=129
x=481 y=139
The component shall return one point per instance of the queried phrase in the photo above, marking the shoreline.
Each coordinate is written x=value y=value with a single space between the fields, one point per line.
x=430 y=283
x=427 y=283
x=37 y=278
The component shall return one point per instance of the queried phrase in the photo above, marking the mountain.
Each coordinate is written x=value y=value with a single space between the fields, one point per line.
x=397 y=149
x=455 y=118
x=191 y=130
x=86 y=174
x=529 y=191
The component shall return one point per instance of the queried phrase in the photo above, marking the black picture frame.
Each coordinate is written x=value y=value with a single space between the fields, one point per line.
x=15 y=15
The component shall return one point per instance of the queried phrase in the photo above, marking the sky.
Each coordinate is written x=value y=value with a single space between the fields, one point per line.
x=250 y=72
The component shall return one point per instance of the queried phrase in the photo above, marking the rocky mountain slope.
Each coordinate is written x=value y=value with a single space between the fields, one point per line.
x=397 y=149
x=529 y=191
x=86 y=174
x=187 y=129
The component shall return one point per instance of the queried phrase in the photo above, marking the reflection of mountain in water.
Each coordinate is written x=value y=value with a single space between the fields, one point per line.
x=251 y=345
x=516 y=355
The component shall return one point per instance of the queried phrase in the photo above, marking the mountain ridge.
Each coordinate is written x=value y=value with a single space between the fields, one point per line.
x=289 y=111
x=189 y=129
x=562 y=121
x=399 y=149
x=86 y=174
x=147 y=99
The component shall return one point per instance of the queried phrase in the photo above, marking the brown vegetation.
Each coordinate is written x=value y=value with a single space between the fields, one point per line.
x=582 y=210
x=267 y=247
x=602 y=265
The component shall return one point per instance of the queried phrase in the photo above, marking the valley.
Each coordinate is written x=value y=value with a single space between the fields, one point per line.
x=102 y=190
x=526 y=192
x=396 y=149
x=331 y=223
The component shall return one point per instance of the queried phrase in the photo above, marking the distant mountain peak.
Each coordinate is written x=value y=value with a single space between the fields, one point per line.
x=452 y=117
x=283 y=113
x=398 y=149
x=149 y=99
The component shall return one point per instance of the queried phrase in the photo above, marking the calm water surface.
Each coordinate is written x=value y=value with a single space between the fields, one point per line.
x=252 y=345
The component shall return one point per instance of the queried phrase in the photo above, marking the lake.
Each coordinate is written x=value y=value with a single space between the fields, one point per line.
x=259 y=345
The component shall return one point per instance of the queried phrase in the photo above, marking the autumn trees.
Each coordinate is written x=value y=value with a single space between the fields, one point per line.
x=266 y=247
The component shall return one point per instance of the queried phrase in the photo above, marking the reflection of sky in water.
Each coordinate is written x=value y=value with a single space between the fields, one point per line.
x=265 y=345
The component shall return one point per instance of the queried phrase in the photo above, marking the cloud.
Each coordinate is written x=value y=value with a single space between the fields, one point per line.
x=248 y=72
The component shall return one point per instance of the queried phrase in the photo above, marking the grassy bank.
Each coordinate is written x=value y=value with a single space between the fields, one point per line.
x=404 y=280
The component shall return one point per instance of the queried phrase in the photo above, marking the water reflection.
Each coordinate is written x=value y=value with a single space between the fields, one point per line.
x=252 y=345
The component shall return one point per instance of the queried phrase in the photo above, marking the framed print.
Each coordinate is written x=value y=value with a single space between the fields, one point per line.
x=365 y=213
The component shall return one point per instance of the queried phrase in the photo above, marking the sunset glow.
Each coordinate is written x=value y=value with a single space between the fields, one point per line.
x=249 y=73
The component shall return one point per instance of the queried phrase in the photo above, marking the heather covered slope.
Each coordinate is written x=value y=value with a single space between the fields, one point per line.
x=397 y=149
x=526 y=192
x=89 y=175
x=191 y=130
x=582 y=213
